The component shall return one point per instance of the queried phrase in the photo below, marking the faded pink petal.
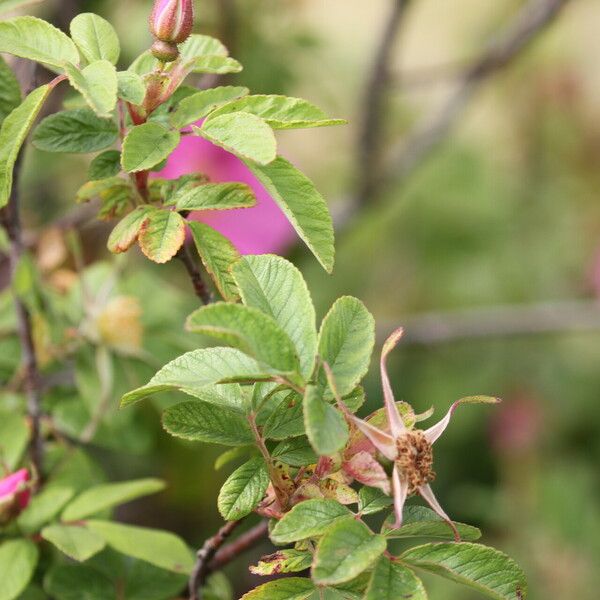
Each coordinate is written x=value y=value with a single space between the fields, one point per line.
x=433 y=433
x=384 y=442
x=397 y=426
x=427 y=493
x=400 y=487
x=366 y=470
x=261 y=229
x=15 y=485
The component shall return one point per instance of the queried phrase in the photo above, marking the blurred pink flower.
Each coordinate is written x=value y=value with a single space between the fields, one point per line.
x=14 y=494
x=517 y=427
x=262 y=229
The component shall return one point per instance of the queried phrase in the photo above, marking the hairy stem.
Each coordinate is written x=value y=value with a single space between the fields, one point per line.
x=200 y=288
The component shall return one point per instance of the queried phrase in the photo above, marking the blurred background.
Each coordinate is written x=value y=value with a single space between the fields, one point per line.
x=465 y=189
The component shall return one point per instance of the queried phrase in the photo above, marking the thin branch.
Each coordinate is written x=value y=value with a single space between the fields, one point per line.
x=531 y=20
x=10 y=219
x=200 y=288
x=205 y=555
x=245 y=542
x=373 y=108
x=501 y=321
x=213 y=556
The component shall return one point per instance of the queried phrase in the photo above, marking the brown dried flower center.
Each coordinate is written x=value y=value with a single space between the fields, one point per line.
x=415 y=459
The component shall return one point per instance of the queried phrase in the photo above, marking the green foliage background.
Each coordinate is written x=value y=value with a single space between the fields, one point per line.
x=507 y=211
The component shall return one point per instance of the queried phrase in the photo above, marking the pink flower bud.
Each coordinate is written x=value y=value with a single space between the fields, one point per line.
x=14 y=495
x=172 y=20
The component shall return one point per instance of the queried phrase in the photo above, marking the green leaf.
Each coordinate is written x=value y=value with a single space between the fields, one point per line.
x=215 y=196
x=159 y=548
x=14 y=130
x=130 y=87
x=289 y=588
x=391 y=580
x=287 y=419
x=18 y=559
x=105 y=165
x=44 y=507
x=161 y=235
x=147 y=145
x=192 y=372
x=276 y=287
x=302 y=204
x=201 y=45
x=75 y=541
x=325 y=426
x=199 y=105
x=242 y=134
x=14 y=436
x=97 y=83
x=96 y=38
x=485 y=569
x=243 y=490
x=283 y=561
x=101 y=497
x=78 y=582
x=249 y=330
x=75 y=131
x=218 y=255
x=10 y=90
x=296 y=452
x=346 y=342
x=203 y=422
x=308 y=519
x=126 y=232
x=346 y=549
x=280 y=112
x=36 y=39
x=420 y=521
x=217 y=65
x=373 y=500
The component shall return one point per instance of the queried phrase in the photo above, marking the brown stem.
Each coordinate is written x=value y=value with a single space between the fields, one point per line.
x=213 y=556
x=11 y=221
x=205 y=556
x=203 y=293
x=246 y=541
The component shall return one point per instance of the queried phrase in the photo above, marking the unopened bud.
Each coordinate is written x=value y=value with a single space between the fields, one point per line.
x=172 y=20
x=164 y=51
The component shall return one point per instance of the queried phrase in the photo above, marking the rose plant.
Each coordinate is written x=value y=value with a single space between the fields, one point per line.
x=279 y=391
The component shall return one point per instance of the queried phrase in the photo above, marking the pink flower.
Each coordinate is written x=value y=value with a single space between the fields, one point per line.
x=14 y=494
x=410 y=450
x=259 y=230
x=172 y=20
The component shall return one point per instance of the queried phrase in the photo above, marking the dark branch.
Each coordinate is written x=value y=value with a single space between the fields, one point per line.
x=213 y=556
x=531 y=20
x=11 y=221
x=373 y=109
x=200 y=288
